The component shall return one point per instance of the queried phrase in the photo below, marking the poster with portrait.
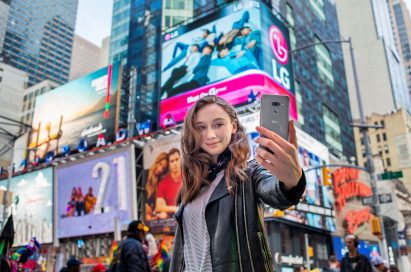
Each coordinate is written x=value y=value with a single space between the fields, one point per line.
x=163 y=180
x=32 y=206
x=94 y=194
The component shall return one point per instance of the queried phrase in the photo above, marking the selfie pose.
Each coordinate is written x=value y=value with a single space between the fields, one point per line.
x=220 y=224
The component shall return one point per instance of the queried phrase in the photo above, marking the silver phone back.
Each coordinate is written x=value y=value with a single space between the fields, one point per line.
x=274 y=113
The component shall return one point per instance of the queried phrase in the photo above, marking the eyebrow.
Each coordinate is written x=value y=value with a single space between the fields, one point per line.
x=215 y=120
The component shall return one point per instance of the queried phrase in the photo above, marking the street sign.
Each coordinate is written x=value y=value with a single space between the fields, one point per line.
x=385 y=198
x=391 y=175
x=367 y=200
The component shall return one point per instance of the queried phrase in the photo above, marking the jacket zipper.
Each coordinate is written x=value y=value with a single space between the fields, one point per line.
x=236 y=228
x=246 y=230
x=264 y=248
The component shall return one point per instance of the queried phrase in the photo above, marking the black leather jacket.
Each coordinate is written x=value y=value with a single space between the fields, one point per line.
x=235 y=222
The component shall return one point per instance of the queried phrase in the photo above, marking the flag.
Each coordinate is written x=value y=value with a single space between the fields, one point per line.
x=157 y=261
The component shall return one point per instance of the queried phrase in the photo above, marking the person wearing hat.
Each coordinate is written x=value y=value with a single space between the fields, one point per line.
x=353 y=261
x=133 y=257
x=379 y=264
x=73 y=265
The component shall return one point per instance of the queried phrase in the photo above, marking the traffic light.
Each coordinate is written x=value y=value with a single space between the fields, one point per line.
x=327 y=176
x=375 y=226
x=310 y=251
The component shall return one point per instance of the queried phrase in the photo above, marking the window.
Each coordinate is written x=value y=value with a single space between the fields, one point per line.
x=378 y=138
x=318 y=7
x=386 y=149
x=299 y=100
x=324 y=63
x=382 y=123
x=388 y=162
x=384 y=136
x=332 y=129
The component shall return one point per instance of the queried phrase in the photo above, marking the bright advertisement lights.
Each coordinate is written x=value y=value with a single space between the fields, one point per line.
x=93 y=193
x=238 y=53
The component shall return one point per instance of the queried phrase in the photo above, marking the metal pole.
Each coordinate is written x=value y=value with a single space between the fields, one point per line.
x=307 y=255
x=368 y=152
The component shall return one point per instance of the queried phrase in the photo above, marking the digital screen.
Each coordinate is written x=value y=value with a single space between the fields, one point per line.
x=81 y=109
x=163 y=178
x=32 y=206
x=238 y=53
x=93 y=194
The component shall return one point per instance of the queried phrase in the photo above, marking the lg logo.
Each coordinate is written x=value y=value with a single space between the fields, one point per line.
x=279 y=45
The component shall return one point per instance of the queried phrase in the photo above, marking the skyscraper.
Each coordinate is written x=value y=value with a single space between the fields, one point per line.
x=39 y=38
x=381 y=76
x=85 y=57
x=4 y=14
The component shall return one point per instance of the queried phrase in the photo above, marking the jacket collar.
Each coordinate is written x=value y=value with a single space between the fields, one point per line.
x=219 y=192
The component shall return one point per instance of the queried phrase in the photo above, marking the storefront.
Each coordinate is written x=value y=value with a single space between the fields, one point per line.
x=288 y=246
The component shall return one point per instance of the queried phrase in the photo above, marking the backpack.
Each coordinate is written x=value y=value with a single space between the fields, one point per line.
x=115 y=265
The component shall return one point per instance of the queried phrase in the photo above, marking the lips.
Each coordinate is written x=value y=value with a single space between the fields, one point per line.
x=212 y=144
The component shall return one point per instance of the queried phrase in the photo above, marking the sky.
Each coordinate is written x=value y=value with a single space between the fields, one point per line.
x=94 y=20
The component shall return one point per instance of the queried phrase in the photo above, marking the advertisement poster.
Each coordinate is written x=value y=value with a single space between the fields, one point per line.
x=94 y=194
x=217 y=54
x=81 y=109
x=316 y=208
x=32 y=206
x=163 y=178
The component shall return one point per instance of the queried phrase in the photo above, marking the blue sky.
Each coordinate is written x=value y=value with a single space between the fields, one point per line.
x=94 y=19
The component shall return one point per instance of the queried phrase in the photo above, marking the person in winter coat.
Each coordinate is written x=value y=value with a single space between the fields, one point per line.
x=353 y=261
x=220 y=224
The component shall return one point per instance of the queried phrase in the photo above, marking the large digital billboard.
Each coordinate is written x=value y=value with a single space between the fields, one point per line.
x=32 y=206
x=316 y=208
x=92 y=195
x=81 y=109
x=163 y=181
x=238 y=53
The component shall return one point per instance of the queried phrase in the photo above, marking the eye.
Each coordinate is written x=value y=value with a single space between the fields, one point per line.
x=219 y=125
x=201 y=128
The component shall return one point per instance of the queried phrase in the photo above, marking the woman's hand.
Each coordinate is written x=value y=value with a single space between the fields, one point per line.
x=282 y=161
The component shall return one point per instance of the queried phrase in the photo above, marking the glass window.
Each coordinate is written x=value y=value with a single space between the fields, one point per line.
x=386 y=149
x=384 y=136
x=388 y=162
x=378 y=138
x=318 y=7
x=332 y=129
x=324 y=63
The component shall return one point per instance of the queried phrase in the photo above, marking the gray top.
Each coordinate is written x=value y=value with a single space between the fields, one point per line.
x=196 y=237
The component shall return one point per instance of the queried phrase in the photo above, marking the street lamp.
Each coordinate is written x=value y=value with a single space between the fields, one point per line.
x=363 y=126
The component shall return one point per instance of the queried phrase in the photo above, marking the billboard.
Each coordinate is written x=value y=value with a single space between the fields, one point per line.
x=94 y=193
x=83 y=108
x=32 y=206
x=316 y=208
x=238 y=53
x=163 y=181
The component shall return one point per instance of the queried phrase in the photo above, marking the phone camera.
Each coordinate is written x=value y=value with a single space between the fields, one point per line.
x=275 y=103
x=275 y=111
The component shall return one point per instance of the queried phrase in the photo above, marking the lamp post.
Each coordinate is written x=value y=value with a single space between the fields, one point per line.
x=363 y=126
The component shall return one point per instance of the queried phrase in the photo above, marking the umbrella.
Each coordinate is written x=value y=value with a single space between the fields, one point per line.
x=7 y=236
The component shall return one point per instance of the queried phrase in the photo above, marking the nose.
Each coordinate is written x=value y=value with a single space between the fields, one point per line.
x=210 y=134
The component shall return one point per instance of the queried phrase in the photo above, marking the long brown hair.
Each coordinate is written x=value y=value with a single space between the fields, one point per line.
x=195 y=162
x=152 y=179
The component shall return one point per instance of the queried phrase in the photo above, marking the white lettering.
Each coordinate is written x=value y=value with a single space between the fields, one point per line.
x=100 y=84
x=281 y=75
x=93 y=131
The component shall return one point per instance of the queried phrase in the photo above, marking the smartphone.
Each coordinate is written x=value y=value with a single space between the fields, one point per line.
x=274 y=113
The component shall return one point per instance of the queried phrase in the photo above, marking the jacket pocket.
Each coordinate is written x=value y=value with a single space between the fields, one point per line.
x=266 y=252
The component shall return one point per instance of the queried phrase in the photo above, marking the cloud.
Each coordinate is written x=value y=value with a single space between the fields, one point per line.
x=41 y=181
x=22 y=183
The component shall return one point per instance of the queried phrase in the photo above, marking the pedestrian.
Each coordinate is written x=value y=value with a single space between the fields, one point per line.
x=379 y=264
x=73 y=265
x=220 y=227
x=333 y=264
x=132 y=255
x=353 y=261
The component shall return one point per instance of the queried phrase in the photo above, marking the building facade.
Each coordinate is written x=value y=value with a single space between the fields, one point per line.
x=12 y=85
x=29 y=99
x=4 y=14
x=84 y=59
x=39 y=38
x=104 y=53
x=391 y=145
x=401 y=25
x=381 y=76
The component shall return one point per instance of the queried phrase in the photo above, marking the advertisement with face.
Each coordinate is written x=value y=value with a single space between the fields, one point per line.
x=32 y=206
x=217 y=54
x=93 y=194
x=81 y=109
x=316 y=208
x=162 y=160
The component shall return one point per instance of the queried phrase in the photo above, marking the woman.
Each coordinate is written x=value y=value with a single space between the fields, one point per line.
x=156 y=171
x=219 y=223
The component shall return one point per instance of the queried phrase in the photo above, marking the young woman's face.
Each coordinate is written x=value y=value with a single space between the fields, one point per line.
x=160 y=167
x=215 y=128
